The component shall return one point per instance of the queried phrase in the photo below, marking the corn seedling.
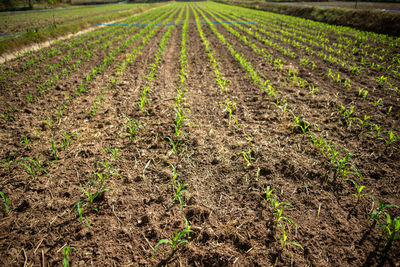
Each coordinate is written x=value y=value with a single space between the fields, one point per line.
x=230 y=107
x=92 y=197
x=347 y=113
x=342 y=167
x=301 y=124
x=175 y=145
x=6 y=202
x=390 y=229
x=175 y=240
x=376 y=130
x=66 y=251
x=248 y=157
x=363 y=122
x=389 y=110
x=79 y=209
x=284 y=241
x=48 y=122
x=25 y=140
x=174 y=172
x=33 y=166
x=382 y=80
x=392 y=137
x=376 y=103
x=7 y=163
x=132 y=127
x=29 y=98
x=54 y=149
x=114 y=153
x=359 y=191
x=376 y=214
x=363 y=93
x=179 y=190
x=67 y=138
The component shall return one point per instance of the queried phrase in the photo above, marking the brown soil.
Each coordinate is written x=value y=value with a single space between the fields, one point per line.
x=232 y=225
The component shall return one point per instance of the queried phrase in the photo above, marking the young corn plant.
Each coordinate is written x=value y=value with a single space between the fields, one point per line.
x=175 y=144
x=343 y=167
x=34 y=166
x=25 y=141
x=132 y=128
x=92 y=197
x=175 y=240
x=390 y=228
x=54 y=150
x=363 y=122
x=68 y=138
x=248 y=157
x=79 y=209
x=359 y=191
x=66 y=252
x=114 y=153
x=347 y=113
x=7 y=163
x=230 y=107
x=392 y=137
x=6 y=203
x=179 y=190
x=301 y=125
x=284 y=241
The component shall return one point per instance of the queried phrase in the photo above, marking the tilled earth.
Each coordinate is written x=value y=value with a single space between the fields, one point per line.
x=231 y=223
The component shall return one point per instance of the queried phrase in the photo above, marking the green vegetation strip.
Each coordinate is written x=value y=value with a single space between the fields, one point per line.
x=51 y=32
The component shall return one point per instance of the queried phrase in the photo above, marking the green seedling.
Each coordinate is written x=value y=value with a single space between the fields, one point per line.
x=390 y=229
x=67 y=138
x=347 y=113
x=284 y=241
x=275 y=204
x=364 y=121
x=392 y=137
x=376 y=214
x=382 y=80
x=179 y=190
x=188 y=227
x=132 y=128
x=33 y=166
x=7 y=163
x=114 y=153
x=48 y=122
x=268 y=193
x=79 y=209
x=248 y=157
x=4 y=116
x=59 y=113
x=342 y=167
x=66 y=251
x=175 y=240
x=175 y=145
x=347 y=83
x=174 y=172
x=25 y=140
x=6 y=202
x=29 y=98
x=279 y=215
x=376 y=103
x=359 y=191
x=376 y=130
x=92 y=197
x=363 y=93
x=301 y=124
x=230 y=107
x=54 y=149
